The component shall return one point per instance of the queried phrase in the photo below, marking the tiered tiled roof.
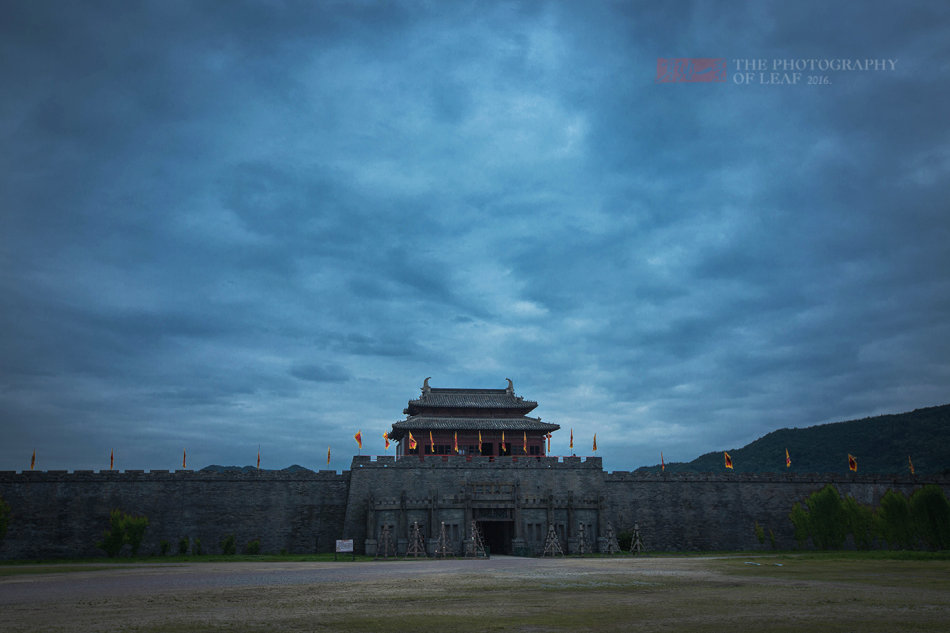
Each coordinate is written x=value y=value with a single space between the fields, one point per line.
x=460 y=400
x=469 y=410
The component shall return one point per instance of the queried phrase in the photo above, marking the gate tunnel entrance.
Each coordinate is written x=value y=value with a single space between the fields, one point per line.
x=497 y=535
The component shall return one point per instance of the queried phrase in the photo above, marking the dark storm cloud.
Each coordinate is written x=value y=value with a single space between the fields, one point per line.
x=228 y=224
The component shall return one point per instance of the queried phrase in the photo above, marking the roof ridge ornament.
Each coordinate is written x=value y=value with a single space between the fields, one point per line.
x=511 y=387
x=425 y=386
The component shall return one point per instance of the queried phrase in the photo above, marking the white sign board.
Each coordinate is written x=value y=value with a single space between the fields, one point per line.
x=344 y=545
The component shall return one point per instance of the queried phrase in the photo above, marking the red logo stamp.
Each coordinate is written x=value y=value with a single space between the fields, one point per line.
x=690 y=69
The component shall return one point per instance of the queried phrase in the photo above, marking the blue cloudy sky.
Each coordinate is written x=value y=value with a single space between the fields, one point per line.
x=226 y=225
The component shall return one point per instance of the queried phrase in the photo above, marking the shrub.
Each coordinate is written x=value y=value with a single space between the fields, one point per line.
x=827 y=522
x=772 y=539
x=860 y=520
x=253 y=548
x=893 y=521
x=930 y=512
x=759 y=533
x=163 y=547
x=114 y=538
x=227 y=545
x=123 y=529
x=183 y=546
x=799 y=520
x=134 y=529
x=196 y=547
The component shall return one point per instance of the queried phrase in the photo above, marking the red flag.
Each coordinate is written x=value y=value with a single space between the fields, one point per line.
x=571 y=445
x=909 y=463
x=386 y=438
x=728 y=460
x=662 y=463
x=359 y=439
x=455 y=443
x=412 y=442
x=525 y=445
x=184 y=453
x=258 y=458
x=33 y=460
x=111 y=458
x=328 y=455
x=852 y=463
x=595 y=442
x=788 y=460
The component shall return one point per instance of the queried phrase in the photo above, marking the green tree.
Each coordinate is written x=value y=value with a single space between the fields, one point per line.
x=134 y=529
x=799 y=519
x=114 y=538
x=228 y=546
x=123 y=529
x=860 y=520
x=930 y=512
x=893 y=521
x=827 y=521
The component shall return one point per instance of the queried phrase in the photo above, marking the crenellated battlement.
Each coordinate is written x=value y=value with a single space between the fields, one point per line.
x=60 y=476
x=768 y=478
x=476 y=461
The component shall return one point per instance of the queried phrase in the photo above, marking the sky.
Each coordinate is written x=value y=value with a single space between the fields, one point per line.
x=229 y=227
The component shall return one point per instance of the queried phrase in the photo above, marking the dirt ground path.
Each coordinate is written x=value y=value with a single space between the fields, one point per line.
x=504 y=593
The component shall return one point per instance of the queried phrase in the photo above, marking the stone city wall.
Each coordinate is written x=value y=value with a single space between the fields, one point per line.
x=64 y=514
x=718 y=511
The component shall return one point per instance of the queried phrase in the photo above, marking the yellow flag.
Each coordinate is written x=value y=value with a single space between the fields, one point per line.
x=595 y=442
x=386 y=437
x=359 y=439
x=728 y=458
x=525 y=445
x=328 y=455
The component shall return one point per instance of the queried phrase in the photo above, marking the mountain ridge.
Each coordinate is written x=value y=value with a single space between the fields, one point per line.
x=881 y=444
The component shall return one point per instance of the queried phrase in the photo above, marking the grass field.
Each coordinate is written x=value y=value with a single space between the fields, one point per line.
x=734 y=593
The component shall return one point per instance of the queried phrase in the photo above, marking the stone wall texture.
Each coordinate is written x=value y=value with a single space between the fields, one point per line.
x=64 y=514
x=60 y=514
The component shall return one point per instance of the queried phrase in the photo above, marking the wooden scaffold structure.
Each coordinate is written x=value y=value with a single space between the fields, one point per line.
x=552 y=546
x=417 y=545
x=442 y=548
x=583 y=545
x=475 y=548
x=613 y=547
x=385 y=548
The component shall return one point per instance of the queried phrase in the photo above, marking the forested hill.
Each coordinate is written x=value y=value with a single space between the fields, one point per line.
x=881 y=445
